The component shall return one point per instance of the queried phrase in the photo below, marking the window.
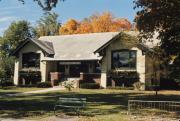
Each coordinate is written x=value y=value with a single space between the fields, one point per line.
x=30 y=60
x=124 y=59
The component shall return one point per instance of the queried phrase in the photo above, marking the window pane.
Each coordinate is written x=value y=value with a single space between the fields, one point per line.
x=132 y=59
x=31 y=60
x=124 y=59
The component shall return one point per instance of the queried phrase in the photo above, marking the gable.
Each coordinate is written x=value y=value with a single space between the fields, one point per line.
x=30 y=47
x=46 y=47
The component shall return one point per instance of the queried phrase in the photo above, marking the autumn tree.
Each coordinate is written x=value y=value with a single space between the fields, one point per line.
x=162 y=17
x=85 y=27
x=104 y=22
x=70 y=27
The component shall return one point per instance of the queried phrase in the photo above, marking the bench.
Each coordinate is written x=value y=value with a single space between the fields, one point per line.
x=70 y=103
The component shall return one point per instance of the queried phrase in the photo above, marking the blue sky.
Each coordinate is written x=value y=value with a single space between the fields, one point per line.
x=13 y=10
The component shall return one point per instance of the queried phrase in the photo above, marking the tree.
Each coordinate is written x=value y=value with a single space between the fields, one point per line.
x=70 y=27
x=104 y=22
x=160 y=16
x=46 y=5
x=13 y=36
x=48 y=25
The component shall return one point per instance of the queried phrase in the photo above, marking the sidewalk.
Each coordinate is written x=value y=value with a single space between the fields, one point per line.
x=38 y=91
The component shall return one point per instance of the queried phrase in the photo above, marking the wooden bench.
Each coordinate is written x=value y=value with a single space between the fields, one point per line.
x=70 y=103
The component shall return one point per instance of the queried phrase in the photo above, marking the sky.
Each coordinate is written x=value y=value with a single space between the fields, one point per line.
x=13 y=10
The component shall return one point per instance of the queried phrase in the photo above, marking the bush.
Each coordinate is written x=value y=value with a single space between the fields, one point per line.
x=44 y=84
x=138 y=86
x=90 y=86
x=120 y=88
x=68 y=85
x=125 y=78
x=30 y=77
x=7 y=83
x=169 y=84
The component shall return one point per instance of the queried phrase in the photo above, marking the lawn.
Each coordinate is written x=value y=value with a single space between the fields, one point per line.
x=104 y=104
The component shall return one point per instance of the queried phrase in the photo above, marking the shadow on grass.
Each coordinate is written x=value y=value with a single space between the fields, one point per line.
x=97 y=103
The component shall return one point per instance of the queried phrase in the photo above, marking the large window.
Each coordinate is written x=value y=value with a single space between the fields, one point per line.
x=31 y=60
x=124 y=59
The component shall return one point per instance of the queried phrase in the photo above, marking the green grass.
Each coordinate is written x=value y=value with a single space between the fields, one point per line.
x=104 y=104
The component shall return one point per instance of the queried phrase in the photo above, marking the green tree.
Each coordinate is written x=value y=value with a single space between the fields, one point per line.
x=13 y=36
x=48 y=25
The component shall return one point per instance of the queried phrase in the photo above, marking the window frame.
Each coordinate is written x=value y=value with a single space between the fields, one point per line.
x=124 y=68
x=23 y=64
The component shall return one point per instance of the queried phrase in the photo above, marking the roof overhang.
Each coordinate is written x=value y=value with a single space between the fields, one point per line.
x=107 y=43
x=47 y=50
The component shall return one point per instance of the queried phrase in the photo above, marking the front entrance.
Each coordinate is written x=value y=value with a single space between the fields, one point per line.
x=74 y=68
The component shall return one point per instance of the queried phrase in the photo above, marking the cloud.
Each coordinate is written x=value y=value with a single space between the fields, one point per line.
x=6 y=19
x=10 y=8
x=2 y=30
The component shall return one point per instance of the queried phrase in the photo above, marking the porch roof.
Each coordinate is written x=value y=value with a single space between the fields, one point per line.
x=77 y=47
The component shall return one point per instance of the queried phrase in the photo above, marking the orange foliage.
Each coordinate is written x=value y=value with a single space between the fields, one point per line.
x=123 y=24
x=96 y=23
x=85 y=27
x=69 y=28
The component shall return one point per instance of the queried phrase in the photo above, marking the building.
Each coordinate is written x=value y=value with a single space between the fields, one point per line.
x=109 y=55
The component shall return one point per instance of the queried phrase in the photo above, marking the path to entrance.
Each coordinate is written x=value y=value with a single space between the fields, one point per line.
x=38 y=91
x=45 y=90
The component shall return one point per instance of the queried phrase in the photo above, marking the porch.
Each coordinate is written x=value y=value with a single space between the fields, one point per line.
x=81 y=71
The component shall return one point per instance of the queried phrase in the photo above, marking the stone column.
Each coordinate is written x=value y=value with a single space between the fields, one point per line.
x=103 y=79
x=16 y=73
x=43 y=69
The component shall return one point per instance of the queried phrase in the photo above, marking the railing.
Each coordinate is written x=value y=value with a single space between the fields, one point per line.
x=137 y=105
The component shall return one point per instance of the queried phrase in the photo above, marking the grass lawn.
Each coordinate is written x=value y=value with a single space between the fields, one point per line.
x=104 y=104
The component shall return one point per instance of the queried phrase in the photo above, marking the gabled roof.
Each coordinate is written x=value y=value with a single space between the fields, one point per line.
x=75 y=47
x=78 y=46
x=131 y=33
x=46 y=47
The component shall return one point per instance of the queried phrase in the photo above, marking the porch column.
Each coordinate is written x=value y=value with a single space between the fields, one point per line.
x=16 y=73
x=43 y=69
x=67 y=70
x=90 y=68
x=103 y=79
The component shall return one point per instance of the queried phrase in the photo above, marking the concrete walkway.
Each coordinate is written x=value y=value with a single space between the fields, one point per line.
x=46 y=90
x=38 y=91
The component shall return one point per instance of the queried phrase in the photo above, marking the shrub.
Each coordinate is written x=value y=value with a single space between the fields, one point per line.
x=30 y=77
x=44 y=84
x=169 y=83
x=125 y=78
x=120 y=88
x=90 y=86
x=138 y=86
x=68 y=85
x=7 y=83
